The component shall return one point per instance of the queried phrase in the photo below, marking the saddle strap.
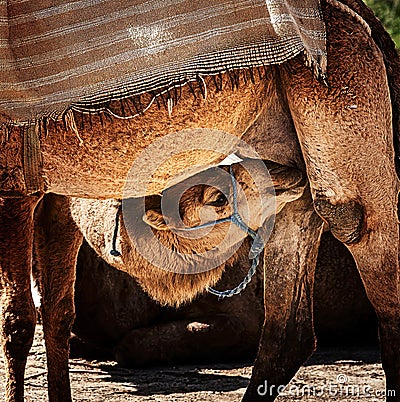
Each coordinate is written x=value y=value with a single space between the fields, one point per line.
x=32 y=160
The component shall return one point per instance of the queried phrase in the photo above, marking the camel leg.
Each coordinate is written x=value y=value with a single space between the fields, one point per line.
x=57 y=242
x=18 y=318
x=287 y=338
x=346 y=136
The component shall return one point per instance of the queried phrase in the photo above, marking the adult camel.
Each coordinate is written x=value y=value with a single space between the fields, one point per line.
x=345 y=131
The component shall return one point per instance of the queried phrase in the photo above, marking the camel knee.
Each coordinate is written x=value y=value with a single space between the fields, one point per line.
x=18 y=330
x=58 y=322
x=345 y=219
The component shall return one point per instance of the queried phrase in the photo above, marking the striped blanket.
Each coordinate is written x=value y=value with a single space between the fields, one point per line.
x=58 y=54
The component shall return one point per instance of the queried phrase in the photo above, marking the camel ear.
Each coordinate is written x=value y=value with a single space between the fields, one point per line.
x=284 y=177
x=153 y=215
x=155 y=219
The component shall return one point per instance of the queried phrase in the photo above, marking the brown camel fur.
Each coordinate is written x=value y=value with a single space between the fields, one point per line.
x=327 y=136
x=345 y=132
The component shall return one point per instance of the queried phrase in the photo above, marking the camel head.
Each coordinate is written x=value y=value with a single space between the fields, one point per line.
x=187 y=237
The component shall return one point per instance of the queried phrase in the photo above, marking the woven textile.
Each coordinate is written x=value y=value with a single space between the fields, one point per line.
x=55 y=53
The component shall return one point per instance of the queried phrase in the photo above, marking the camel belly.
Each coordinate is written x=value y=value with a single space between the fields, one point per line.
x=93 y=160
x=97 y=165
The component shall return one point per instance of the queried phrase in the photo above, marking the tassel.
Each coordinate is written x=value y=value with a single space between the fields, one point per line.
x=70 y=124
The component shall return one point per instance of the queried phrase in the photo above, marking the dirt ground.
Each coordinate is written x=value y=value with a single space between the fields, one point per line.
x=331 y=375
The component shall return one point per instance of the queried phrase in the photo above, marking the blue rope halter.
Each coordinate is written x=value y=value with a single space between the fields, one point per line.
x=254 y=254
x=255 y=251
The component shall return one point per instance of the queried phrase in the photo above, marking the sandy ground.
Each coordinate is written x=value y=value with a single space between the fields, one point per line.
x=331 y=375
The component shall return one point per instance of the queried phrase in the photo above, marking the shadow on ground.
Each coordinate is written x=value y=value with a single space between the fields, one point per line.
x=169 y=380
x=213 y=377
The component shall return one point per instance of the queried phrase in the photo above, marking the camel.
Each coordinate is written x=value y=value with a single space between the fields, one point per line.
x=344 y=132
x=171 y=287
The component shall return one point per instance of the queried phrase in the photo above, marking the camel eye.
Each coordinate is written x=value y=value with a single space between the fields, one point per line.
x=220 y=201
